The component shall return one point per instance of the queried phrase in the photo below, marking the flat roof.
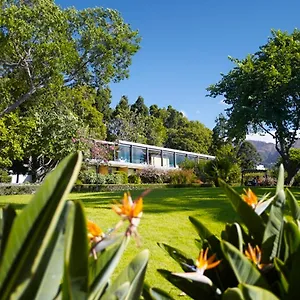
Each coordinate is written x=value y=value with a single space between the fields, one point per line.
x=165 y=149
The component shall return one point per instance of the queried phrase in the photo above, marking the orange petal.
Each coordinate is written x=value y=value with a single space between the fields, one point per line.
x=211 y=259
x=137 y=208
x=93 y=229
x=210 y=266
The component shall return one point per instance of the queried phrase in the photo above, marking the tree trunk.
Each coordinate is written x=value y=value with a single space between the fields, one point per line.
x=291 y=173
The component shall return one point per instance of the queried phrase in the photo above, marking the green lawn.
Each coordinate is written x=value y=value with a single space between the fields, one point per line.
x=165 y=220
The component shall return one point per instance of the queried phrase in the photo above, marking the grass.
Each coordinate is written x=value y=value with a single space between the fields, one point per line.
x=165 y=220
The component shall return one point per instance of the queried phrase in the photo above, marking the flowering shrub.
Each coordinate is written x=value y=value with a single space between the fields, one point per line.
x=151 y=175
x=259 y=259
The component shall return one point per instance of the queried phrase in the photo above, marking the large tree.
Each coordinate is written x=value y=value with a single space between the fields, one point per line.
x=263 y=93
x=45 y=47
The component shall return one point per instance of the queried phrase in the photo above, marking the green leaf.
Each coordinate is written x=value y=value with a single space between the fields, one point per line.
x=244 y=270
x=34 y=226
x=158 y=294
x=75 y=283
x=109 y=266
x=205 y=234
x=134 y=273
x=180 y=257
x=251 y=292
x=196 y=290
x=273 y=234
x=292 y=237
x=294 y=275
x=233 y=294
x=282 y=272
x=293 y=205
x=253 y=222
x=8 y=217
x=234 y=235
x=280 y=180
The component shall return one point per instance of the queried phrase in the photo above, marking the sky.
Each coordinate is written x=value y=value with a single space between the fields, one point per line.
x=185 y=46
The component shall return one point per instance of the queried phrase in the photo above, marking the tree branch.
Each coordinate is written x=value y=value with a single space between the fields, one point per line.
x=17 y=103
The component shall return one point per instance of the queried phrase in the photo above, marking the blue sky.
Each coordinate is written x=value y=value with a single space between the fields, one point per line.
x=185 y=45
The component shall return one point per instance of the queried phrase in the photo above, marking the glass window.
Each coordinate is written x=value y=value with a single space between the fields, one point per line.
x=124 y=153
x=192 y=158
x=155 y=157
x=139 y=155
x=180 y=158
x=168 y=159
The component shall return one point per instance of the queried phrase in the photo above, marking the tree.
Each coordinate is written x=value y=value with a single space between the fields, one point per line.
x=45 y=47
x=248 y=156
x=15 y=135
x=263 y=93
x=193 y=137
x=122 y=108
x=155 y=132
x=219 y=134
x=139 y=107
x=102 y=103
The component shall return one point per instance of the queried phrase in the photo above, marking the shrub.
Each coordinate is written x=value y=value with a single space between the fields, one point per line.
x=134 y=178
x=259 y=259
x=124 y=177
x=113 y=179
x=4 y=177
x=182 y=176
x=51 y=251
x=151 y=175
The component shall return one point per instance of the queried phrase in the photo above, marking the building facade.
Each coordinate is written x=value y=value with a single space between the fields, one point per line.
x=129 y=157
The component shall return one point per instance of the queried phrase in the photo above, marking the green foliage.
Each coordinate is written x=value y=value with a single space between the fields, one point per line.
x=134 y=178
x=45 y=252
x=225 y=166
x=248 y=156
x=257 y=259
x=262 y=93
x=182 y=176
x=46 y=47
x=4 y=177
x=123 y=176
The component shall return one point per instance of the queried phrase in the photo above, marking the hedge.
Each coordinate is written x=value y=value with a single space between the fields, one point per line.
x=86 y=188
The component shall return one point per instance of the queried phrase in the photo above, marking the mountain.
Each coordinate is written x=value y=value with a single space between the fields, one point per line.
x=268 y=153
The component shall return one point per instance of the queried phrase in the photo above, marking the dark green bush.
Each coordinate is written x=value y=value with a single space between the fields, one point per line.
x=4 y=177
x=134 y=178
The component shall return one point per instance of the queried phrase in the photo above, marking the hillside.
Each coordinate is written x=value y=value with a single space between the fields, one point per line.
x=268 y=152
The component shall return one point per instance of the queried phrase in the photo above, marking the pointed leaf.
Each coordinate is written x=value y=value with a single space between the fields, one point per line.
x=75 y=284
x=245 y=271
x=255 y=292
x=280 y=180
x=186 y=263
x=253 y=222
x=233 y=294
x=292 y=237
x=234 y=235
x=104 y=275
x=158 y=294
x=293 y=205
x=282 y=272
x=271 y=245
x=134 y=273
x=34 y=226
x=8 y=217
x=205 y=234
x=294 y=275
